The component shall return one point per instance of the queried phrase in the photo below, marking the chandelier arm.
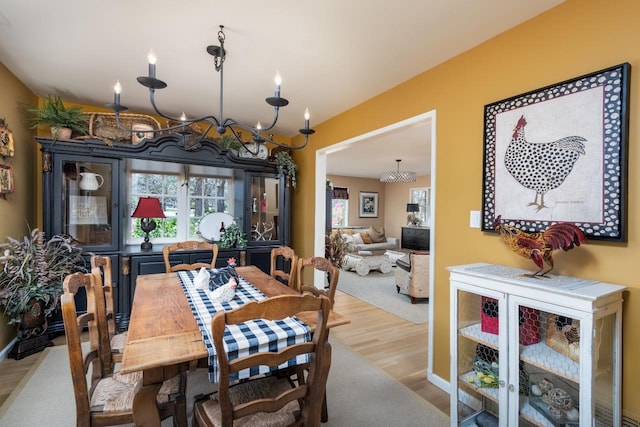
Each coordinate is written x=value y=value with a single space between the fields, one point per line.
x=264 y=139
x=276 y=109
x=219 y=54
x=235 y=133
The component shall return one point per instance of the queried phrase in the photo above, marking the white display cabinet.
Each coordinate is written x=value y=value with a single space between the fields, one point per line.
x=533 y=351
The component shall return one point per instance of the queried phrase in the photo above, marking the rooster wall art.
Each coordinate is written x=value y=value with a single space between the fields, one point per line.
x=541 y=166
x=539 y=247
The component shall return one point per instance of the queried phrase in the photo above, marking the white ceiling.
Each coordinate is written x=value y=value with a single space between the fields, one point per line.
x=331 y=54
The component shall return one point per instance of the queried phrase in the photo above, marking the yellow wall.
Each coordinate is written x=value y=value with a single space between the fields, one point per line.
x=575 y=38
x=18 y=209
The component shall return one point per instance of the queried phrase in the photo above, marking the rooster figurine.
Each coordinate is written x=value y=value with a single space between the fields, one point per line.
x=539 y=246
x=226 y=292
x=541 y=167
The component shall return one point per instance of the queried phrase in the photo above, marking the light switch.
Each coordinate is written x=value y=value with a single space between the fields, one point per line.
x=474 y=219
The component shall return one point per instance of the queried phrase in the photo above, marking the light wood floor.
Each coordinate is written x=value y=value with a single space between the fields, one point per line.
x=389 y=342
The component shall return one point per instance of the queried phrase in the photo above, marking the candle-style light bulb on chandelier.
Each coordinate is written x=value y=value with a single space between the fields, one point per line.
x=220 y=123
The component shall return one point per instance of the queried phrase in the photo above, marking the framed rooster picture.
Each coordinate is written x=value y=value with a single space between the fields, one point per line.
x=558 y=154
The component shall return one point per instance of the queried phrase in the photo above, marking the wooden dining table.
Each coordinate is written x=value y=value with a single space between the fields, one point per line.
x=164 y=339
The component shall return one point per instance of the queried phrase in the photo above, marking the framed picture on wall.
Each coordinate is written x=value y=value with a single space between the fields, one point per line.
x=6 y=140
x=6 y=179
x=368 y=205
x=558 y=154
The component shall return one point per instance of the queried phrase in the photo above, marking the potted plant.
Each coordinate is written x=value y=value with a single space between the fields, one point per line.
x=233 y=236
x=53 y=113
x=230 y=142
x=335 y=248
x=286 y=166
x=31 y=274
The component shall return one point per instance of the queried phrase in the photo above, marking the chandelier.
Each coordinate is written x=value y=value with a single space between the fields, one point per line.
x=398 y=176
x=219 y=123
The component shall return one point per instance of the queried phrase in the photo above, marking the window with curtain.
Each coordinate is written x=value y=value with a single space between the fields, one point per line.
x=339 y=206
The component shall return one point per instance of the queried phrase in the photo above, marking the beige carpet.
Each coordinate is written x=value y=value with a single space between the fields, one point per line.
x=379 y=289
x=358 y=395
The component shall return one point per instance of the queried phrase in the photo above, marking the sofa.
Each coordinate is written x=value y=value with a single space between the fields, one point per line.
x=368 y=239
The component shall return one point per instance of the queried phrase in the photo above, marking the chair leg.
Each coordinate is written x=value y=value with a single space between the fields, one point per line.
x=324 y=415
x=397 y=289
x=413 y=300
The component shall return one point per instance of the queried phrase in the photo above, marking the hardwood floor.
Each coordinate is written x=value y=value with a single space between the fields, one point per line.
x=393 y=344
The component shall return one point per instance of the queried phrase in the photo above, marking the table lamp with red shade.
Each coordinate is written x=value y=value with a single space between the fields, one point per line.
x=147 y=209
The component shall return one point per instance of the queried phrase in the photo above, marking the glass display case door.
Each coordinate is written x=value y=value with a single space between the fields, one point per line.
x=480 y=344
x=264 y=201
x=86 y=207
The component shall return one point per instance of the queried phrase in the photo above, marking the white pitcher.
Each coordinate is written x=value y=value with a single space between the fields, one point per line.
x=90 y=181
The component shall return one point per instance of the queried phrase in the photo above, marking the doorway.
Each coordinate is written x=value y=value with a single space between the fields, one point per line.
x=427 y=123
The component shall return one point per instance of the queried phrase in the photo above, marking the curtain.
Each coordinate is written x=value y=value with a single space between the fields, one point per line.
x=340 y=193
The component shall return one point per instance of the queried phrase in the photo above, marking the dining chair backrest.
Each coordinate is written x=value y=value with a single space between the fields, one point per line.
x=283 y=265
x=103 y=399
x=189 y=245
x=302 y=400
x=321 y=264
x=74 y=324
x=101 y=267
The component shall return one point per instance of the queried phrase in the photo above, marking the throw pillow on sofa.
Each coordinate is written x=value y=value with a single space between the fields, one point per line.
x=377 y=236
x=357 y=239
x=366 y=238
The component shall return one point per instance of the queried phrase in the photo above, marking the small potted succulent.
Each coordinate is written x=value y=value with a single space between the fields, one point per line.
x=53 y=113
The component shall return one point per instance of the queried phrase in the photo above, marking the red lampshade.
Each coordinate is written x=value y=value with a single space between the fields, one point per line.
x=148 y=207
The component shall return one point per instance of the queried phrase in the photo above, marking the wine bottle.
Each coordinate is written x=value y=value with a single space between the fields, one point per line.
x=222 y=229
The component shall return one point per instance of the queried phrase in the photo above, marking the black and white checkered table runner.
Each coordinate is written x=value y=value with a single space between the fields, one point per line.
x=246 y=338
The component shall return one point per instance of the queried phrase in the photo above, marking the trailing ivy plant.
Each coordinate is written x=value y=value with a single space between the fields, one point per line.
x=286 y=166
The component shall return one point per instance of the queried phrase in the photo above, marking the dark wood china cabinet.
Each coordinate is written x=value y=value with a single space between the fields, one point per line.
x=86 y=194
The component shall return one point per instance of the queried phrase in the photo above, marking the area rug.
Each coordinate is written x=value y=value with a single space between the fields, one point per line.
x=358 y=395
x=379 y=289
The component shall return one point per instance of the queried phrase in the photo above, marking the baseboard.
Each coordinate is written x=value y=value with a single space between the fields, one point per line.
x=4 y=354
x=438 y=381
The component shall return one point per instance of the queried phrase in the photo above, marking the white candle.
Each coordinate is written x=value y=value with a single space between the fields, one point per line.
x=306 y=118
x=278 y=81
x=151 y=58
x=117 y=88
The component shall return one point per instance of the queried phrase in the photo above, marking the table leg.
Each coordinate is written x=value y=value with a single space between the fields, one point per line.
x=145 y=406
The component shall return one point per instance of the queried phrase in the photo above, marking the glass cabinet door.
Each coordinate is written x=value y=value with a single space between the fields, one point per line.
x=265 y=208
x=480 y=396
x=553 y=389
x=88 y=201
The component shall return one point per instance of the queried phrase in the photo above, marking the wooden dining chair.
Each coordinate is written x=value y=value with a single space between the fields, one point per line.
x=189 y=245
x=333 y=273
x=105 y=400
x=283 y=265
x=271 y=400
x=320 y=264
x=101 y=267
